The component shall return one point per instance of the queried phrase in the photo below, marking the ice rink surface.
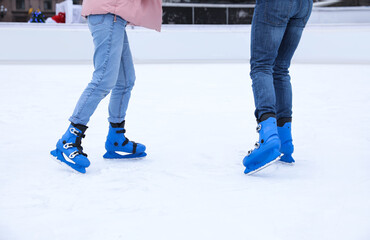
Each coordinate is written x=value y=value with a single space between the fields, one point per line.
x=197 y=123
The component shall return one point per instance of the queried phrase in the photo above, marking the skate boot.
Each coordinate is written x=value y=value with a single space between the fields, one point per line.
x=287 y=147
x=119 y=147
x=69 y=150
x=266 y=149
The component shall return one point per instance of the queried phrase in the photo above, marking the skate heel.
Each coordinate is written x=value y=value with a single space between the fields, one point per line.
x=287 y=159
x=287 y=147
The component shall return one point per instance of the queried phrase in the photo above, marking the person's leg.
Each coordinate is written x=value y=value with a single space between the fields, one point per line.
x=108 y=40
x=108 y=36
x=120 y=96
x=283 y=88
x=282 y=85
x=289 y=43
x=121 y=92
x=268 y=28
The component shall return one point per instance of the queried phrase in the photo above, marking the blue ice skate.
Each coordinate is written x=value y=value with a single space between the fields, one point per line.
x=69 y=151
x=266 y=149
x=286 y=139
x=120 y=147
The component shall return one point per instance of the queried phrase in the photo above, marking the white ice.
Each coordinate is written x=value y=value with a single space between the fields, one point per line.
x=197 y=122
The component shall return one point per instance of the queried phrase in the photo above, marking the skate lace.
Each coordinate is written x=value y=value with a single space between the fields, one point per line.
x=77 y=144
x=121 y=131
x=257 y=144
x=127 y=140
x=134 y=146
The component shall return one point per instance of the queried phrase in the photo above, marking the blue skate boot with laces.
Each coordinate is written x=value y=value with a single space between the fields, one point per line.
x=69 y=150
x=266 y=149
x=287 y=147
x=120 y=147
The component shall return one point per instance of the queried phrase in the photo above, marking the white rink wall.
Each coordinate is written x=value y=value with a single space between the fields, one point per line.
x=325 y=15
x=333 y=43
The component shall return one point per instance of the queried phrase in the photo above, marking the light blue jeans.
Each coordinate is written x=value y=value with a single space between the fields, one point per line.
x=114 y=70
x=277 y=28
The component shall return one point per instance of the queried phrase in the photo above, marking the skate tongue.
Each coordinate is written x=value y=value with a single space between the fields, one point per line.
x=80 y=127
x=118 y=125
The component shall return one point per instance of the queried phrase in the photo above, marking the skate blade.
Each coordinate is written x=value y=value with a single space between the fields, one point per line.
x=286 y=163
x=263 y=167
x=115 y=155
x=58 y=157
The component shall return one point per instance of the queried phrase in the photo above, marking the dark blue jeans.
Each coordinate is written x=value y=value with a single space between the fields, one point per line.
x=277 y=28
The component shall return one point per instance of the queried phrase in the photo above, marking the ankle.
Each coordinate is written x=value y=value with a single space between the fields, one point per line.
x=266 y=116
x=282 y=121
x=118 y=125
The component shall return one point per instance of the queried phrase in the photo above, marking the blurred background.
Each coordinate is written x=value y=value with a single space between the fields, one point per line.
x=193 y=30
x=174 y=11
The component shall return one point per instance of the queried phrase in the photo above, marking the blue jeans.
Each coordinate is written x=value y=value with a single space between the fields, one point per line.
x=277 y=28
x=114 y=70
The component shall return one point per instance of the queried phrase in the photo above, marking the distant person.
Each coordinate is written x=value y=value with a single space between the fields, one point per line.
x=277 y=27
x=114 y=71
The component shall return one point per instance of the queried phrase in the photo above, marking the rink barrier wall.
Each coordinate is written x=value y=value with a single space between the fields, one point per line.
x=330 y=15
x=63 y=43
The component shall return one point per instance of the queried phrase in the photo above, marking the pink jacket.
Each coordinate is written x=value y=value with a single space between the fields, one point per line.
x=145 y=13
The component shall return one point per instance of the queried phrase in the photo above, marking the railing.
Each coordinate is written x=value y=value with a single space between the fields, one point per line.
x=325 y=3
x=193 y=6
x=209 y=5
